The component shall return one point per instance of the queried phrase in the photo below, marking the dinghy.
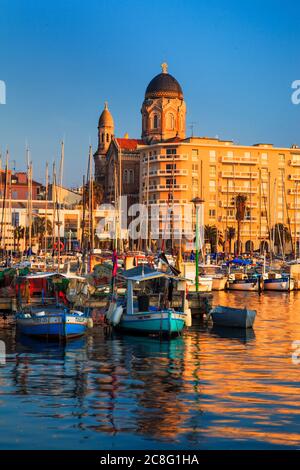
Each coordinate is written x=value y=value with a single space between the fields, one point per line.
x=232 y=317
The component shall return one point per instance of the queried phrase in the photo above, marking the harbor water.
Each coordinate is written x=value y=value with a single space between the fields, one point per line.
x=209 y=389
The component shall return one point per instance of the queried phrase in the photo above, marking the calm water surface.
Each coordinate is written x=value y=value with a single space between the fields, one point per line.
x=207 y=390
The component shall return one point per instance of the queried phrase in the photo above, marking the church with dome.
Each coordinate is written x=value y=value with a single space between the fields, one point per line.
x=118 y=160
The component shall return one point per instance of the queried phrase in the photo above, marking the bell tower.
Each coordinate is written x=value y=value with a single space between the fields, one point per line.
x=105 y=135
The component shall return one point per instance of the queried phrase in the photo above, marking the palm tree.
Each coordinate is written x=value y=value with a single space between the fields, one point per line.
x=240 y=204
x=19 y=233
x=211 y=236
x=98 y=194
x=40 y=228
x=230 y=235
x=281 y=235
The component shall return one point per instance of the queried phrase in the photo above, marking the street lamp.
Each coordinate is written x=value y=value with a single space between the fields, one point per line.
x=197 y=201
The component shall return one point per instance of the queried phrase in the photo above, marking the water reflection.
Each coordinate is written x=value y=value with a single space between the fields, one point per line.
x=211 y=388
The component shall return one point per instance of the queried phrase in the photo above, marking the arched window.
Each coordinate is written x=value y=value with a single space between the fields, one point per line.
x=155 y=121
x=125 y=176
x=102 y=137
x=107 y=137
x=171 y=121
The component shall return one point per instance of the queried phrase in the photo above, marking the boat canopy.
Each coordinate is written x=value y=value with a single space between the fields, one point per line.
x=240 y=262
x=43 y=275
x=136 y=275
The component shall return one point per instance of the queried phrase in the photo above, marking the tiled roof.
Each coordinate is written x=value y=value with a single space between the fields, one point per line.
x=129 y=144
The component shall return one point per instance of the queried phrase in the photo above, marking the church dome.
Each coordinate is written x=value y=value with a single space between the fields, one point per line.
x=106 y=119
x=164 y=85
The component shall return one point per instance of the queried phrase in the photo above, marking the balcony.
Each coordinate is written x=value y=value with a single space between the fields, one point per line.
x=177 y=172
x=232 y=218
x=166 y=158
x=239 y=175
x=294 y=177
x=168 y=187
x=294 y=191
x=294 y=162
x=231 y=204
x=241 y=160
x=238 y=189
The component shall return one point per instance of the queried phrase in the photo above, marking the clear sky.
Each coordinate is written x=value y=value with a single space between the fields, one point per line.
x=61 y=59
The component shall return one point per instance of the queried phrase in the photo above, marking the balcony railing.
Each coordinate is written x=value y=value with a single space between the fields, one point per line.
x=175 y=172
x=238 y=189
x=238 y=159
x=239 y=174
x=168 y=187
x=156 y=158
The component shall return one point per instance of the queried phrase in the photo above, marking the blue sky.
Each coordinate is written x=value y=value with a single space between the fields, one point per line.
x=61 y=59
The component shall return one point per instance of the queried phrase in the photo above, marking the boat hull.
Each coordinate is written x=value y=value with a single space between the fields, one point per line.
x=162 y=323
x=246 y=285
x=282 y=284
x=52 y=326
x=219 y=283
x=232 y=317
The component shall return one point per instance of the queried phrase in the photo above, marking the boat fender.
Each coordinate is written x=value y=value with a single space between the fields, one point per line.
x=90 y=323
x=188 y=314
x=116 y=316
x=110 y=311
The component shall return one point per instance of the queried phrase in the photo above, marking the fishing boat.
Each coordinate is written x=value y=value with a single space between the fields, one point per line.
x=44 y=310
x=134 y=313
x=52 y=322
x=278 y=282
x=232 y=317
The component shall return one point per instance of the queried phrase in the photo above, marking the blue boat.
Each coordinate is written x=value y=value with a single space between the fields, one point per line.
x=52 y=322
x=135 y=314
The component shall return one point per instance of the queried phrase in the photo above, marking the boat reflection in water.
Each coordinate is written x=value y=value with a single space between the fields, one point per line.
x=207 y=389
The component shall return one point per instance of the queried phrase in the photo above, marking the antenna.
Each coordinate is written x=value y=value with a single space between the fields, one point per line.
x=191 y=126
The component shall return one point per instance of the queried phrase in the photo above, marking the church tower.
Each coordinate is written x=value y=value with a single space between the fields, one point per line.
x=105 y=134
x=163 y=110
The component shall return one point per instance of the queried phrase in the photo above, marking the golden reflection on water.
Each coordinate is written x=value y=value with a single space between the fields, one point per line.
x=205 y=389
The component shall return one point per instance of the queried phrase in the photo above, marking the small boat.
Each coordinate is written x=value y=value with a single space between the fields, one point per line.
x=52 y=322
x=232 y=317
x=278 y=282
x=135 y=314
x=244 y=282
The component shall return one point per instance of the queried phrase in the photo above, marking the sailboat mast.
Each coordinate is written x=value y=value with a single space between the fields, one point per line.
x=46 y=205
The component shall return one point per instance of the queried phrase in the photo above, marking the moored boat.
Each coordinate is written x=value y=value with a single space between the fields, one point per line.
x=278 y=282
x=244 y=282
x=232 y=317
x=135 y=314
x=52 y=322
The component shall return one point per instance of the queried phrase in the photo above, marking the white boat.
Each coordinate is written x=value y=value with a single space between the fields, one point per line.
x=278 y=282
x=219 y=280
x=232 y=317
x=205 y=282
x=244 y=282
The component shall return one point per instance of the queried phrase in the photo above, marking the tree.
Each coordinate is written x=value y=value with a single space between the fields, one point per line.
x=240 y=204
x=19 y=233
x=40 y=228
x=281 y=235
x=211 y=236
x=98 y=194
x=230 y=236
